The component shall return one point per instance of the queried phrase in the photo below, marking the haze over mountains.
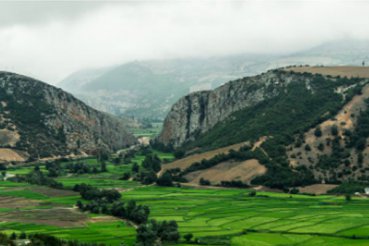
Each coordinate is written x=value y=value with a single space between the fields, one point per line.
x=147 y=89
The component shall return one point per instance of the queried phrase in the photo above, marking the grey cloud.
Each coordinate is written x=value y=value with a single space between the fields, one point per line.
x=49 y=40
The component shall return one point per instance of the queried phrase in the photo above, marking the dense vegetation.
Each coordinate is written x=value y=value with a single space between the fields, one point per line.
x=36 y=176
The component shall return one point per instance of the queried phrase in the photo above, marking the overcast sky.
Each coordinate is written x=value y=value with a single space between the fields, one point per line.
x=50 y=40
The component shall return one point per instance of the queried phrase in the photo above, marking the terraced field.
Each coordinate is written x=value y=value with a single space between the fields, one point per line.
x=214 y=216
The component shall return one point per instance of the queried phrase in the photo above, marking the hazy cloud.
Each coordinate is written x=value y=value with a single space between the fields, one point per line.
x=49 y=40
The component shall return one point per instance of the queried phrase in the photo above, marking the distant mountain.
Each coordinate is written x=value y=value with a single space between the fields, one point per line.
x=40 y=121
x=147 y=89
x=75 y=81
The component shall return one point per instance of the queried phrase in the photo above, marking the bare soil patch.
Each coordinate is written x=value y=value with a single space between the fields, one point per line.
x=16 y=202
x=8 y=155
x=64 y=217
x=227 y=171
x=47 y=191
x=104 y=218
x=189 y=160
x=343 y=71
x=317 y=189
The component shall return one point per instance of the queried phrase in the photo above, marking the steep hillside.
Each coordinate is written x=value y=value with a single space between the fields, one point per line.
x=38 y=120
x=282 y=105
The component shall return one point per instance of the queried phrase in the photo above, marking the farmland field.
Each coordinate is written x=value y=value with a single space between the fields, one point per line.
x=214 y=216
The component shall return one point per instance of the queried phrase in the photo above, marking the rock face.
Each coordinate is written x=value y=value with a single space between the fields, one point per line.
x=39 y=120
x=198 y=112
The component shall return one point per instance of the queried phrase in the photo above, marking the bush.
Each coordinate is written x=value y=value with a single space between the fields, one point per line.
x=334 y=130
x=165 y=180
x=252 y=193
x=204 y=181
x=188 y=237
x=294 y=190
x=178 y=154
x=166 y=231
x=318 y=132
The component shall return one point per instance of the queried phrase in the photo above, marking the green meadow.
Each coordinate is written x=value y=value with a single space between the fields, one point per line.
x=213 y=216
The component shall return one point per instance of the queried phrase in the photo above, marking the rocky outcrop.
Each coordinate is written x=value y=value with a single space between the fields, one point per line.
x=199 y=112
x=44 y=121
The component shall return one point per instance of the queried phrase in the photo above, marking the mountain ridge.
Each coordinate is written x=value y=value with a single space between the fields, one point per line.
x=45 y=121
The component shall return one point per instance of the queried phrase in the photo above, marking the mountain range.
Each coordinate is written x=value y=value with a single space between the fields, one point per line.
x=147 y=89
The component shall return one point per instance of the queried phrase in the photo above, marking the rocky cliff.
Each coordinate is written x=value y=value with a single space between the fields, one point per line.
x=38 y=120
x=198 y=112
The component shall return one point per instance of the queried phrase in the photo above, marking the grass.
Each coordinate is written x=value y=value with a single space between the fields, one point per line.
x=213 y=216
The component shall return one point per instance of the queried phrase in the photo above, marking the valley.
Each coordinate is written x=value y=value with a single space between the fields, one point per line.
x=227 y=167
x=223 y=216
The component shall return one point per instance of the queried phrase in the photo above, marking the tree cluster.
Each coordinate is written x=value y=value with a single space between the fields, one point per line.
x=156 y=233
x=89 y=192
x=130 y=210
x=37 y=177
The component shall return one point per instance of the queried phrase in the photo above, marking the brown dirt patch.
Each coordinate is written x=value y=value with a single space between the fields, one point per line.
x=47 y=191
x=317 y=189
x=348 y=71
x=227 y=171
x=103 y=219
x=16 y=202
x=189 y=160
x=64 y=217
x=7 y=155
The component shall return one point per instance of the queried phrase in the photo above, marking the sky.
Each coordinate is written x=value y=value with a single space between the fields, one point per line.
x=49 y=40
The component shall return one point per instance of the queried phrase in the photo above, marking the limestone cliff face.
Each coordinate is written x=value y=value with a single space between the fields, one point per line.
x=198 y=112
x=40 y=120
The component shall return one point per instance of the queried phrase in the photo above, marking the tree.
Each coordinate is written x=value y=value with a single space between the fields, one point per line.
x=307 y=147
x=178 y=154
x=79 y=205
x=252 y=193
x=165 y=179
x=126 y=176
x=204 y=181
x=294 y=190
x=147 y=234
x=22 y=235
x=152 y=162
x=103 y=166
x=348 y=197
x=334 y=130
x=361 y=144
x=135 y=168
x=13 y=236
x=147 y=177
x=188 y=237
x=318 y=132
x=117 y=160
x=321 y=146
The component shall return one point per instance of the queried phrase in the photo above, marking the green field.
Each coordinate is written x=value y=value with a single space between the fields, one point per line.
x=214 y=216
